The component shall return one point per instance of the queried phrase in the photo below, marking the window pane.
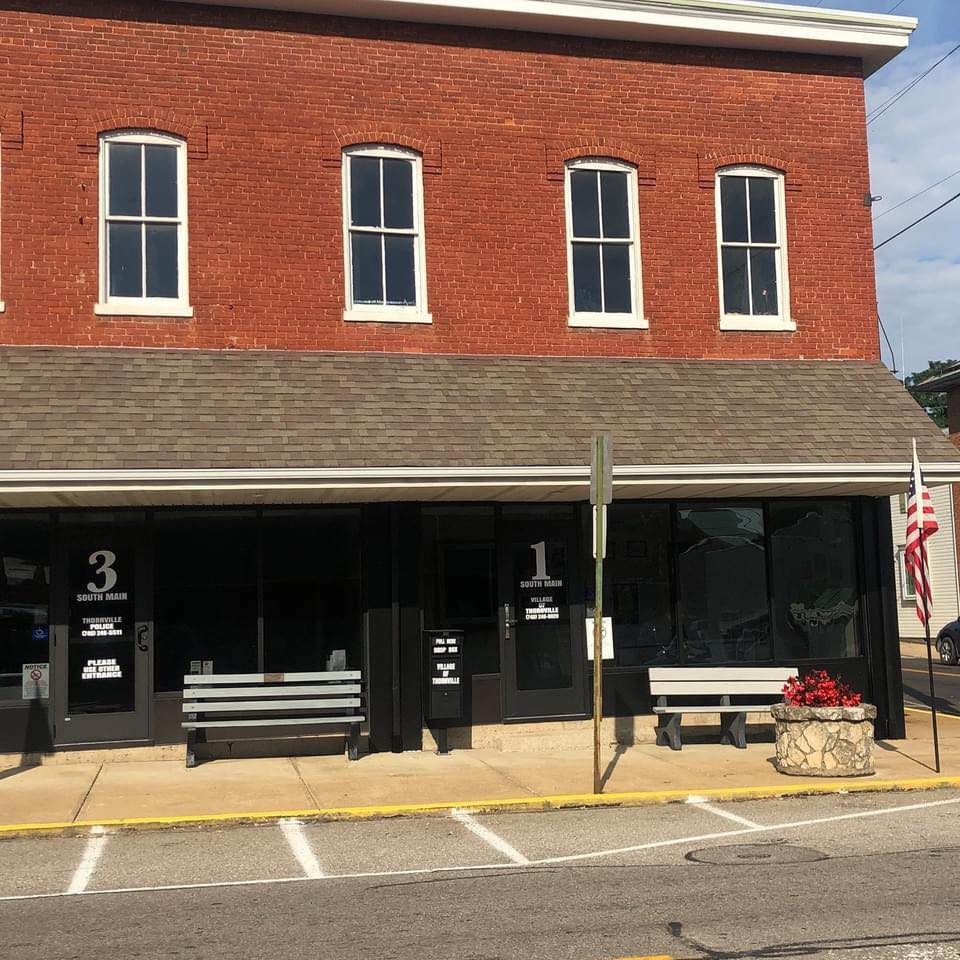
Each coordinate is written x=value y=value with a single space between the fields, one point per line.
x=616 y=278
x=401 y=285
x=365 y=191
x=312 y=615
x=24 y=599
x=161 y=171
x=733 y=209
x=124 y=176
x=637 y=584
x=585 y=204
x=722 y=584
x=616 y=209
x=206 y=594
x=367 y=267
x=586 y=278
x=763 y=280
x=763 y=219
x=735 y=280
x=125 y=259
x=398 y=194
x=162 y=260
x=815 y=589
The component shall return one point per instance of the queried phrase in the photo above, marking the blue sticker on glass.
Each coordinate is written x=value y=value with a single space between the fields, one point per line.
x=41 y=633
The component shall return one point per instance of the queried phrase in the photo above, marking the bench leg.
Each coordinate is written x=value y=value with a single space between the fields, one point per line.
x=668 y=730
x=734 y=729
x=353 y=742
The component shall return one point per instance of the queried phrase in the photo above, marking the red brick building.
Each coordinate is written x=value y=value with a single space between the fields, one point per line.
x=308 y=319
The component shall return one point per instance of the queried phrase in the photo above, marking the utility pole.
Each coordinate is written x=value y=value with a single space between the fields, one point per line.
x=601 y=493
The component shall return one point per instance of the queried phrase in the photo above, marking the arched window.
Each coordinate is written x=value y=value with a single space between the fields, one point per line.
x=143 y=225
x=383 y=235
x=751 y=237
x=603 y=244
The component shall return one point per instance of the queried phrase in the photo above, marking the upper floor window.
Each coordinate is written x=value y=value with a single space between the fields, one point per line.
x=752 y=240
x=143 y=225
x=383 y=235
x=603 y=249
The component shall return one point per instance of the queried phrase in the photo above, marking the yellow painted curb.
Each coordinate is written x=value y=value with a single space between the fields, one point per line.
x=940 y=714
x=515 y=804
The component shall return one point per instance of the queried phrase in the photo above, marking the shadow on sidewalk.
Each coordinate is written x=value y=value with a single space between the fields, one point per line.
x=36 y=742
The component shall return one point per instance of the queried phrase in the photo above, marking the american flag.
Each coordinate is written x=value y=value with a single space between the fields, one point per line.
x=921 y=523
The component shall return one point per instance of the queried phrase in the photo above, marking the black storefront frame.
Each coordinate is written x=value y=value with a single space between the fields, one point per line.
x=392 y=619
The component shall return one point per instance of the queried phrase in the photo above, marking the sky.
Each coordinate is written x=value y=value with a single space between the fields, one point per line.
x=913 y=145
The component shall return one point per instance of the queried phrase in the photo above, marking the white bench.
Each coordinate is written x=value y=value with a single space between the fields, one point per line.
x=271 y=700
x=672 y=689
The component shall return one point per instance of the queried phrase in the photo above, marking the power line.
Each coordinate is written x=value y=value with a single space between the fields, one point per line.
x=893 y=355
x=903 y=91
x=900 y=233
x=894 y=7
x=919 y=193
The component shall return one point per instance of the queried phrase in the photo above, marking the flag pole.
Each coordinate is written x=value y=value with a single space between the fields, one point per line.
x=924 y=566
x=933 y=695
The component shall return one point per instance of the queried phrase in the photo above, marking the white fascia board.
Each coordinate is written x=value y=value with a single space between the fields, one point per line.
x=433 y=478
x=874 y=38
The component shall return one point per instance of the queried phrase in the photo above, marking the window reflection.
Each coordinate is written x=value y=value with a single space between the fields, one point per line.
x=722 y=584
x=813 y=563
x=24 y=599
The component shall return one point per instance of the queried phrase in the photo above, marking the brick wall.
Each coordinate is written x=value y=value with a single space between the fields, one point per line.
x=265 y=101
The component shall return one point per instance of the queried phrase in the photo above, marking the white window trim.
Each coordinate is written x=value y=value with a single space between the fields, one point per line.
x=178 y=306
x=740 y=321
x=908 y=589
x=378 y=312
x=622 y=321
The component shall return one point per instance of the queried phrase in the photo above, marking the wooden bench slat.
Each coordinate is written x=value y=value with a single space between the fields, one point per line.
x=215 y=678
x=722 y=673
x=263 y=706
x=693 y=688
x=198 y=694
x=717 y=708
x=279 y=721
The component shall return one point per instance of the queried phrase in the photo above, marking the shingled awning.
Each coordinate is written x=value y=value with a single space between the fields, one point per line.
x=118 y=426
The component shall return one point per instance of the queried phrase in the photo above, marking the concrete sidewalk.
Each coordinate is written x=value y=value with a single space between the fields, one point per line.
x=379 y=784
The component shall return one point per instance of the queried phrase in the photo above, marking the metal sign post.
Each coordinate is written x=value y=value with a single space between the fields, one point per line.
x=601 y=493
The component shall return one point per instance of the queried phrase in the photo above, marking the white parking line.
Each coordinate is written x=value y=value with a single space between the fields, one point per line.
x=292 y=831
x=703 y=804
x=488 y=836
x=88 y=862
x=485 y=867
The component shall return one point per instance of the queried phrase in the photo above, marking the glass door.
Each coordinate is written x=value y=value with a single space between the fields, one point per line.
x=102 y=636
x=541 y=616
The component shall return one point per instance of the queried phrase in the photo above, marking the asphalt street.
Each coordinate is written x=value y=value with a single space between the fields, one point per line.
x=916 y=689
x=865 y=876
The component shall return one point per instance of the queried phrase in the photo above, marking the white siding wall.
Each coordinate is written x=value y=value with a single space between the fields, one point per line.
x=943 y=566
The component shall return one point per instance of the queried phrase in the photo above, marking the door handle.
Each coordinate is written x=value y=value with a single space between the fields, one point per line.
x=142 y=643
x=508 y=620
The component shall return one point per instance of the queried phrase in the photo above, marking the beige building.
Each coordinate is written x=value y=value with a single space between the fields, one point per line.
x=943 y=565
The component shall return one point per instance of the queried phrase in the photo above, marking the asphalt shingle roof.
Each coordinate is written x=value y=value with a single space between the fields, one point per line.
x=88 y=408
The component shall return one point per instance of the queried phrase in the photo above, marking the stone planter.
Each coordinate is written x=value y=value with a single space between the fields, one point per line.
x=825 y=741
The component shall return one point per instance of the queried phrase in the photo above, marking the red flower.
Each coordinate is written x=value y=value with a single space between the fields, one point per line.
x=819 y=689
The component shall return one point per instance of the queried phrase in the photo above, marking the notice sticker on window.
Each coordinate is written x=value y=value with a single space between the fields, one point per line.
x=106 y=668
x=36 y=681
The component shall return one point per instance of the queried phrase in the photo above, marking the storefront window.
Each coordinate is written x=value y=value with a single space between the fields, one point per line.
x=459 y=566
x=722 y=584
x=24 y=599
x=206 y=594
x=312 y=616
x=637 y=584
x=815 y=586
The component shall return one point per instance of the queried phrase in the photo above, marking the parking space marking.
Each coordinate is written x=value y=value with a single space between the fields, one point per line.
x=488 y=836
x=92 y=853
x=703 y=804
x=292 y=831
x=88 y=862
